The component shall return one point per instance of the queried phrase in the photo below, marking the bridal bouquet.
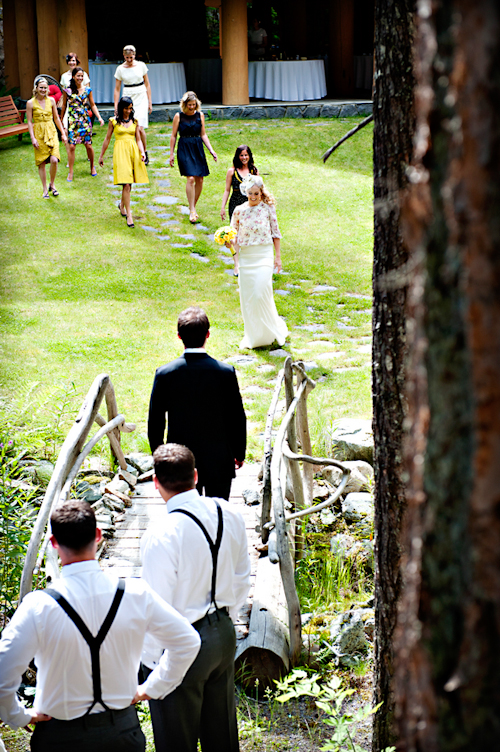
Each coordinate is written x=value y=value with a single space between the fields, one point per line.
x=225 y=235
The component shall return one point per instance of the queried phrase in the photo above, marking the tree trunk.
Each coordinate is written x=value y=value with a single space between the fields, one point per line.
x=393 y=128
x=447 y=651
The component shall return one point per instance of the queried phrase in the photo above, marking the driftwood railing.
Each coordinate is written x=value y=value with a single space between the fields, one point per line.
x=73 y=453
x=279 y=527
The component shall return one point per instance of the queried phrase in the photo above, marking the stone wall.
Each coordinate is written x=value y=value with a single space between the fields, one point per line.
x=263 y=111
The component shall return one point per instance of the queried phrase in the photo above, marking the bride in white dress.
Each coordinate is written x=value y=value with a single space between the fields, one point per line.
x=257 y=247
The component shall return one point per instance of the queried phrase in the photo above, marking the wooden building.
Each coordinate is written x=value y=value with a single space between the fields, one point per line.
x=39 y=33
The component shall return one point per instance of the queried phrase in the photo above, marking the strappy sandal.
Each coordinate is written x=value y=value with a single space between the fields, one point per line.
x=46 y=195
x=53 y=190
x=130 y=225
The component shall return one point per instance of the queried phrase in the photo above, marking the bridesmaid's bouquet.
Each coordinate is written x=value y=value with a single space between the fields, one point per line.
x=225 y=235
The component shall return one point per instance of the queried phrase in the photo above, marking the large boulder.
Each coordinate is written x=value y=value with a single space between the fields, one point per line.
x=347 y=633
x=357 y=511
x=352 y=439
x=360 y=479
x=359 y=552
x=142 y=462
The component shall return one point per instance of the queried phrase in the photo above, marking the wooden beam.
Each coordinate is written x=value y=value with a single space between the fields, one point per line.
x=234 y=48
x=342 y=47
x=10 y=45
x=27 y=47
x=73 y=36
x=48 y=39
x=264 y=652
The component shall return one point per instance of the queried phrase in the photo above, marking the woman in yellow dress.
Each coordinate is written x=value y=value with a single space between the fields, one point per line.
x=128 y=154
x=42 y=114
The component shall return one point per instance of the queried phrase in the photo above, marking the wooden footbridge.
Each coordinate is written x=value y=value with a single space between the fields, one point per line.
x=148 y=508
x=269 y=625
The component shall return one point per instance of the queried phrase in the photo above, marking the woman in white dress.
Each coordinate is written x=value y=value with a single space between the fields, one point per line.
x=134 y=76
x=257 y=247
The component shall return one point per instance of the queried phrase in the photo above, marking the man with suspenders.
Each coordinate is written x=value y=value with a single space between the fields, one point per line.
x=86 y=634
x=198 y=562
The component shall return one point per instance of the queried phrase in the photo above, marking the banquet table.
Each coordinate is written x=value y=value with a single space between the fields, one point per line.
x=287 y=80
x=168 y=81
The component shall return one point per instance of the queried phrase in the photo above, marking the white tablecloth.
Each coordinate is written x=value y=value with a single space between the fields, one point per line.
x=168 y=81
x=287 y=80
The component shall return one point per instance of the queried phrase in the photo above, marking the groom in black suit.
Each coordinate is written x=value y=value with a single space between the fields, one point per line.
x=205 y=411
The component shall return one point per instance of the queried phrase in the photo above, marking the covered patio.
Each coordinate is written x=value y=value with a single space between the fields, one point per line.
x=314 y=50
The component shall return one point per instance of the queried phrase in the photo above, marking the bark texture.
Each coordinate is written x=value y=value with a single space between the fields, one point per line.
x=447 y=653
x=393 y=130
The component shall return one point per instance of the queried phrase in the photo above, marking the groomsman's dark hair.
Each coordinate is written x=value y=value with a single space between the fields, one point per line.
x=73 y=524
x=193 y=326
x=174 y=467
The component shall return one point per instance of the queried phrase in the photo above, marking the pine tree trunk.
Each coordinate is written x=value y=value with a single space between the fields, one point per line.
x=393 y=129
x=447 y=650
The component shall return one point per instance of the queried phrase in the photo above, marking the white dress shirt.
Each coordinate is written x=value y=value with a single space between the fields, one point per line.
x=41 y=629
x=177 y=562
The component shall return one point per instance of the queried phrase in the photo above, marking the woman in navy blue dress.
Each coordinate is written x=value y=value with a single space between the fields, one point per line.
x=190 y=125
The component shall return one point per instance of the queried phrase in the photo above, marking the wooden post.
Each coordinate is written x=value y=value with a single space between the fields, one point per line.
x=304 y=435
x=295 y=474
x=70 y=450
x=10 y=44
x=266 y=490
x=48 y=39
x=114 y=437
x=27 y=49
x=234 y=49
x=342 y=47
x=283 y=548
x=73 y=35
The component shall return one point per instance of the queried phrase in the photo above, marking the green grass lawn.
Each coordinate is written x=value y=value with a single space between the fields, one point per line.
x=82 y=294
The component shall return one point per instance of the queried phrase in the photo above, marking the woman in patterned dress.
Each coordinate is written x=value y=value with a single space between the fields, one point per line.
x=42 y=114
x=243 y=166
x=257 y=246
x=78 y=99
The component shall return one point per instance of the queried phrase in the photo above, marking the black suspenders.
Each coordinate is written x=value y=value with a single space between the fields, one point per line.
x=214 y=547
x=94 y=643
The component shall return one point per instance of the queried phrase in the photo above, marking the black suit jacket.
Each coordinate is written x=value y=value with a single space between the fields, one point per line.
x=205 y=412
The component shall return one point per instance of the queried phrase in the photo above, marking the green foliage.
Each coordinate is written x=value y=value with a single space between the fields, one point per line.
x=324 y=581
x=330 y=699
x=16 y=519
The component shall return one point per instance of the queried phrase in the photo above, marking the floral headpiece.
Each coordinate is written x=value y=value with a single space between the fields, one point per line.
x=249 y=181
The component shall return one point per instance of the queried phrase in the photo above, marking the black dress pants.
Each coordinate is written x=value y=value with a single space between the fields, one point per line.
x=203 y=706
x=218 y=489
x=109 y=731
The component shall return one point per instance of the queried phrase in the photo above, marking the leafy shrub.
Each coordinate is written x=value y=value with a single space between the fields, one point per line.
x=17 y=516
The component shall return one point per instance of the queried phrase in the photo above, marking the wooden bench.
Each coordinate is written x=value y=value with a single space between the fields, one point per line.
x=11 y=119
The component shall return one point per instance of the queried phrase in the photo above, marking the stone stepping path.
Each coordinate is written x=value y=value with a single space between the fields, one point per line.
x=122 y=552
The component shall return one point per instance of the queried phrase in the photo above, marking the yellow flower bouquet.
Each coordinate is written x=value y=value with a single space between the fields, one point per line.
x=225 y=235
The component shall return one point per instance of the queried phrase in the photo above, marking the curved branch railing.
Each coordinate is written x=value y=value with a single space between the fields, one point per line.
x=276 y=532
x=72 y=454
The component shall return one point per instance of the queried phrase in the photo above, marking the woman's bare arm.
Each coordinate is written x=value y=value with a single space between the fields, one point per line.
x=173 y=138
x=205 y=138
x=227 y=191
x=106 y=143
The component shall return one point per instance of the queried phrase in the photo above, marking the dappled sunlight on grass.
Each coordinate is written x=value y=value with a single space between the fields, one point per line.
x=83 y=294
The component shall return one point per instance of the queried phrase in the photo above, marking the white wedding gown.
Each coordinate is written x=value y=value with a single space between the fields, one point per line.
x=262 y=324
